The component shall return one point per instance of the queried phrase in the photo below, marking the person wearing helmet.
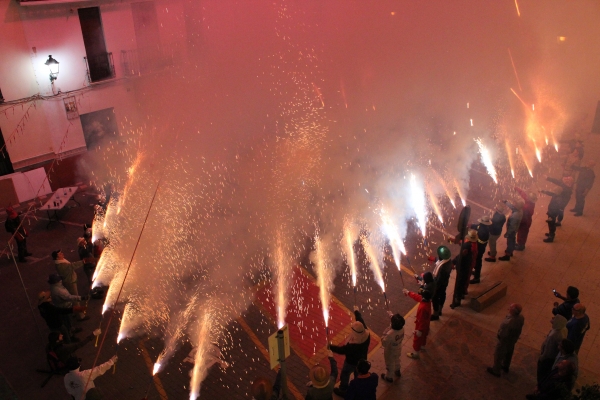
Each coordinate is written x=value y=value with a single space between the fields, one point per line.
x=391 y=341
x=441 y=277
x=528 y=209
x=512 y=226
x=421 y=321
x=560 y=198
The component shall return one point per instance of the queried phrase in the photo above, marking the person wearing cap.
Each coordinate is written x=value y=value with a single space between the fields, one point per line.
x=78 y=383
x=528 y=210
x=261 y=388
x=61 y=297
x=560 y=198
x=578 y=325
x=585 y=181
x=508 y=334
x=549 y=349
x=441 y=277
x=566 y=307
x=13 y=226
x=483 y=235
x=464 y=263
x=67 y=272
x=355 y=349
x=63 y=351
x=512 y=226
x=421 y=321
x=55 y=316
x=498 y=221
x=364 y=385
x=322 y=383
x=391 y=341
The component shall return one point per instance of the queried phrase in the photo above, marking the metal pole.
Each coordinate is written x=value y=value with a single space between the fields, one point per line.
x=354 y=295
x=281 y=351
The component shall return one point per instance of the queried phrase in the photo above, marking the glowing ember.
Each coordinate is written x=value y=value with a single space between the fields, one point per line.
x=156 y=368
x=418 y=203
x=373 y=262
x=120 y=337
x=486 y=158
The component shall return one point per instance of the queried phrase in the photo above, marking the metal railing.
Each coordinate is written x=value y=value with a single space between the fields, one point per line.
x=100 y=67
x=149 y=59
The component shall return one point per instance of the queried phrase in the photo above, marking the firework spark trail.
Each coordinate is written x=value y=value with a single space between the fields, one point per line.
x=513 y=65
x=446 y=189
x=434 y=203
x=374 y=263
x=324 y=277
x=417 y=196
x=392 y=233
x=348 y=248
x=283 y=272
x=131 y=171
x=486 y=158
x=509 y=154
x=524 y=158
x=460 y=193
x=200 y=359
x=517 y=5
x=520 y=99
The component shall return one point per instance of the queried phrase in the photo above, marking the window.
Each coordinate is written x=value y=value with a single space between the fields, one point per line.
x=99 y=61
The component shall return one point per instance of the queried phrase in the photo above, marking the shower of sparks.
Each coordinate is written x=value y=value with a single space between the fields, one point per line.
x=374 y=263
x=554 y=142
x=156 y=368
x=434 y=203
x=486 y=158
x=460 y=193
x=511 y=162
x=282 y=272
x=120 y=337
x=524 y=158
x=200 y=360
x=348 y=248
x=514 y=68
x=324 y=277
x=417 y=195
x=390 y=230
x=538 y=154
x=446 y=189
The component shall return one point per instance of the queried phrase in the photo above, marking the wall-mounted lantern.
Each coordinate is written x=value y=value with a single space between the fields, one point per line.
x=53 y=67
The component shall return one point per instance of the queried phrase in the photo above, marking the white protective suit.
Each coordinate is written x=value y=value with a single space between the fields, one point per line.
x=391 y=341
x=75 y=380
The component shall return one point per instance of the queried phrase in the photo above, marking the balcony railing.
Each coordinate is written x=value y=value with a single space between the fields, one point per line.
x=145 y=60
x=100 y=67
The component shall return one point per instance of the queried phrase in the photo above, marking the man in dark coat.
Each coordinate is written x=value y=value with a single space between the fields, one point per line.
x=512 y=226
x=560 y=198
x=508 y=334
x=578 y=326
x=556 y=385
x=498 y=221
x=55 y=316
x=585 y=181
x=483 y=235
x=12 y=226
x=441 y=276
x=566 y=308
x=464 y=263
x=355 y=349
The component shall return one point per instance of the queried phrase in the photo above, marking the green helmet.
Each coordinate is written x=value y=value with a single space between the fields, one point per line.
x=443 y=253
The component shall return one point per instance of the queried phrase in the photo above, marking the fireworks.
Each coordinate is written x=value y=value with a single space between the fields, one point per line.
x=156 y=368
x=434 y=204
x=374 y=263
x=417 y=197
x=511 y=162
x=486 y=158
x=460 y=193
x=324 y=277
x=282 y=271
x=348 y=248
x=199 y=372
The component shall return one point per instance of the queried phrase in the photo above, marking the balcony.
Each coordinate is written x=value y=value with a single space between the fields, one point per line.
x=136 y=62
x=100 y=67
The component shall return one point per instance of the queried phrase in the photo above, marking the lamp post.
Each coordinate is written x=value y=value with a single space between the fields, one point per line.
x=53 y=68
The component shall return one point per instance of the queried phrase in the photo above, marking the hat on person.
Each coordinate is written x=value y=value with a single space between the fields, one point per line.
x=55 y=254
x=54 y=278
x=80 y=240
x=485 y=220
x=471 y=235
x=73 y=363
x=318 y=376
x=358 y=333
x=43 y=296
x=261 y=389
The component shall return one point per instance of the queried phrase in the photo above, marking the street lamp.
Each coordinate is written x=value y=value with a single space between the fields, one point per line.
x=53 y=67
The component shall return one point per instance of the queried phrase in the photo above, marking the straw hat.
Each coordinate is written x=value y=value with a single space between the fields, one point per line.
x=471 y=235
x=318 y=376
x=485 y=220
x=359 y=333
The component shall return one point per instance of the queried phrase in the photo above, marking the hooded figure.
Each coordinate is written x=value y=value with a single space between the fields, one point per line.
x=391 y=341
x=355 y=349
x=13 y=226
x=550 y=349
x=512 y=226
x=441 y=276
x=528 y=210
x=421 y=321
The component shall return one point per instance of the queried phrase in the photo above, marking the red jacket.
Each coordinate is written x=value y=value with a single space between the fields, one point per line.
x=528 y=207
x=423 y=313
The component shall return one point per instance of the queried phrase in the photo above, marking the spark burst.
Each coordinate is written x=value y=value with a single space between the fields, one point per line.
x=374 y=263
x=324 y=278
x=200 y=360
x=486 y=159
x=348 y=248
x=417 y=195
